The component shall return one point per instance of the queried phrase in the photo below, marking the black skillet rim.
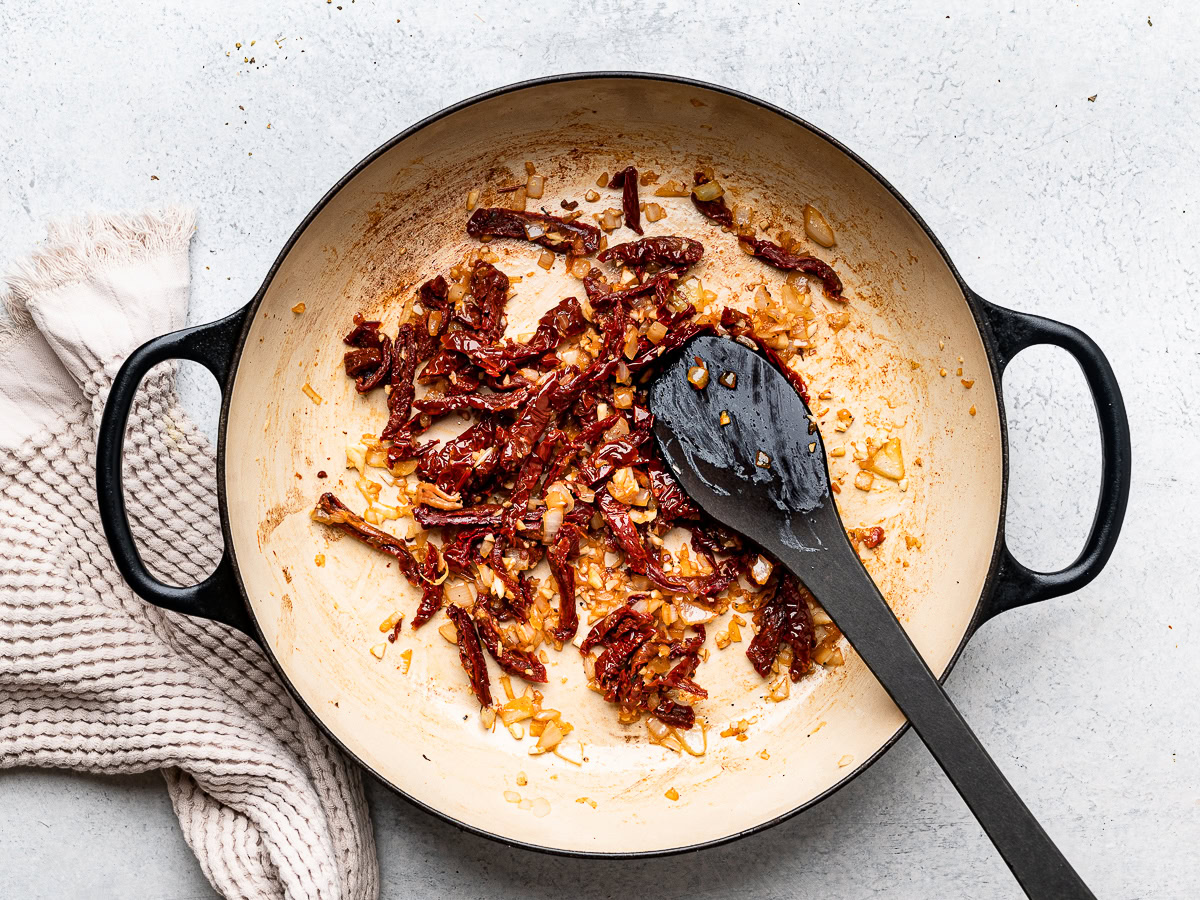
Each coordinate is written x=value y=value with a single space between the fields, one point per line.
x=973 y=302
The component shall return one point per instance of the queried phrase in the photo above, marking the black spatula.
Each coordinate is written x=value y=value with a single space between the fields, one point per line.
x=764 y=474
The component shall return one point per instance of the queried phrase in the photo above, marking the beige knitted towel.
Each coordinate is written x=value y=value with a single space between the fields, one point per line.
x=91 y=677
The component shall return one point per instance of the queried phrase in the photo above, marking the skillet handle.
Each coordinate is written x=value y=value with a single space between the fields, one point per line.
x=1016 y=584
x=217 y=596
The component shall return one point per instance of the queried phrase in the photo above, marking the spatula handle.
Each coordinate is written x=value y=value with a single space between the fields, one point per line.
x=857 y=607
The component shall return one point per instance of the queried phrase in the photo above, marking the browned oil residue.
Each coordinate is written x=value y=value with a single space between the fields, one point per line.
x=286 y=634
x=274 y=516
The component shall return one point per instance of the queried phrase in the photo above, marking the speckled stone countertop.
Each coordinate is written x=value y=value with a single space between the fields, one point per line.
x=1052 y=151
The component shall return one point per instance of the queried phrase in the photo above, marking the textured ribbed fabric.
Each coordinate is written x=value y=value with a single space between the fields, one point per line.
x=93 y=678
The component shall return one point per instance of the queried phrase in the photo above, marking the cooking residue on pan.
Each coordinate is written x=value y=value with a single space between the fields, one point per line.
x=551 y=504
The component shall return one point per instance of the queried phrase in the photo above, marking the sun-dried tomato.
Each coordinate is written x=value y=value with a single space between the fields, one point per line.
x=566 y=545
x=770 y=252
x=551 y=232
x=672 y=502
x=530 y=424
x=433 y=295
x=716 y=210
x=514 y=662
x=627 y=180
x=671 y=713
x=482 y=309
x=454 y=463
x=613 y=454
x=470 y=654
x=404 y=367
x=616 y=515
x=668 y=250
x=332 y=511
x=432 y=594
x=371 y=363
x=785 y=619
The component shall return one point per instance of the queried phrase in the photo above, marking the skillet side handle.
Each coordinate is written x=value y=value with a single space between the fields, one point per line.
x=217 y=596
x=1016 y=584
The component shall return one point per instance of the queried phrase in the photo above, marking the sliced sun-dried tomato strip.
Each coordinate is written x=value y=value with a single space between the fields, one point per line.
x=514 y=662
x=434 y=319
x=612 y=455
x=471 y=654
x=471 y=455
x=770 y=252
x=332 y=511
x=482 y=309
x=627 y=180
x=371 y=363
x=672 y=502
x=668 y=250
x=530 y=424
x=716 y=210
x=609 y=624
x=432 y=593
x=671 y=713
x=404 y=368
x=551 y=232
x=566 y=545
x=616 y=515
x=785 y=619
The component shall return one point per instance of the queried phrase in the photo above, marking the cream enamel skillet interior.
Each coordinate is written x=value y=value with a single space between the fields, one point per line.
x=398 y=219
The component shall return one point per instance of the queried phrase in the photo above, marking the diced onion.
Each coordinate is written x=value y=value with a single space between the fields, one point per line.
x=672 y=189
x=697 y=376
x=888 y=460
x=816 y=227
x=656 y=332
x=552 y=520
x=534 y=186
x=710 y=190
x=460 y=593
x=761 y=570
x=431 y=495
x=780 y=689
x=551 y=737
x=658 y=730
x=693 y=614
x=620 y=429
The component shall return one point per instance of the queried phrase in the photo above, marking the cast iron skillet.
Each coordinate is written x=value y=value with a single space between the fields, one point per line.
x=218 y=346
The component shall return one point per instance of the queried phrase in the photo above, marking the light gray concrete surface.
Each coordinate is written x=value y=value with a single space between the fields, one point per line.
x=1052 y=149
